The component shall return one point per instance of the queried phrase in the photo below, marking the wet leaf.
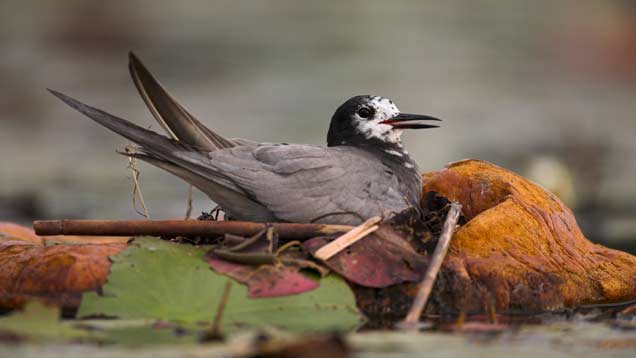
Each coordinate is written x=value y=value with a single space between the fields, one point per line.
x=379 y=260
x=154 y=279
x=265 y=280
x=38 y=322
x=280 y=277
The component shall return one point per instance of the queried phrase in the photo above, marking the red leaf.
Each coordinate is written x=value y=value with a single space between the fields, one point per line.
x=379 y=260
x=265 y=280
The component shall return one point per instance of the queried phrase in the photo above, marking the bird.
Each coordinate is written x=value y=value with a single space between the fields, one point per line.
x=362 y=172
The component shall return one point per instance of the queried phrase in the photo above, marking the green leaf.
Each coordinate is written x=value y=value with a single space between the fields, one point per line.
x=155 y=279
x=39 y=322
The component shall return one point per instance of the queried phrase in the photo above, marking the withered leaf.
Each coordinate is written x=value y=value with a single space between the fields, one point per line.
x=56 y=274
x=381 y=259
x=265 y=280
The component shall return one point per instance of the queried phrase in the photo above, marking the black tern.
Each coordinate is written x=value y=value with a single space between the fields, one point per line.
x=364 y=171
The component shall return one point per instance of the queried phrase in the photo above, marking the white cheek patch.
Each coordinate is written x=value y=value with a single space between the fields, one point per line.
x=372 y=128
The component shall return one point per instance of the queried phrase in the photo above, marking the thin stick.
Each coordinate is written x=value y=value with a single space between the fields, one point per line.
x=328 y=251
x=216 y=325
x=189 y=208
x=172 y=228
x=425 y=287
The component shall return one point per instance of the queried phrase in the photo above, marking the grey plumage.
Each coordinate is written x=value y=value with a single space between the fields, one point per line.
x=266 y=182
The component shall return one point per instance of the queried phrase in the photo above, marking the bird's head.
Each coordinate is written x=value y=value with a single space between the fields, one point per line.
x=371 y=118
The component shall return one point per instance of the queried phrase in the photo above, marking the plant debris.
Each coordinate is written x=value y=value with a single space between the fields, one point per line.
x=161 y=280
x=518 y=250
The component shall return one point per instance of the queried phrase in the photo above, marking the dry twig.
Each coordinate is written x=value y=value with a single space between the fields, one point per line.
x=215 y=332
x=425 y=287
x=172 y=228
x=328 y=251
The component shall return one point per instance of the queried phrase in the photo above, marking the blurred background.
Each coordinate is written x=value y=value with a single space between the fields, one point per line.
x=545 y=88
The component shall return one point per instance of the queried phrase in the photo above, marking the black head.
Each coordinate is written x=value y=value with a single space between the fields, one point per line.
x=363 y=119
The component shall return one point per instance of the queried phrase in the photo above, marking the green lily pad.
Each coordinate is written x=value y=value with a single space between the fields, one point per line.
x=155 y=279
x=39 y=322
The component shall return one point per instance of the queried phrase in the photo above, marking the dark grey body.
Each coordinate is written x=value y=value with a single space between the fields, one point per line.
x=299 y=183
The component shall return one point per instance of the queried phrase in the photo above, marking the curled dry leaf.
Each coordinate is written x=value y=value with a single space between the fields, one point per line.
x=56 y=274
x=521 y=248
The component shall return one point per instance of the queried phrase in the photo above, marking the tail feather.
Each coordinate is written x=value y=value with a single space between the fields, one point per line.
x=181 y=159
x=144 y=137
x=175 y=119
x=190 y=157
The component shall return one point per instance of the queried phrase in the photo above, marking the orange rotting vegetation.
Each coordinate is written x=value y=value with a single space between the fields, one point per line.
x=521 y=248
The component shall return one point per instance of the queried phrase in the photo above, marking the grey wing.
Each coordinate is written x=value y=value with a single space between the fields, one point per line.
x=300 y=183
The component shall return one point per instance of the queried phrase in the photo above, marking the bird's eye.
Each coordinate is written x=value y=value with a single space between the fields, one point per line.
x=364 y=112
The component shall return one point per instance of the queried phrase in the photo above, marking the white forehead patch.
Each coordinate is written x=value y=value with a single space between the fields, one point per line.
x=384 y=109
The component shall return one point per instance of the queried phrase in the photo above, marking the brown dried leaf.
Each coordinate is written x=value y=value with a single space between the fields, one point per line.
x=56 y=274
x=10 y=230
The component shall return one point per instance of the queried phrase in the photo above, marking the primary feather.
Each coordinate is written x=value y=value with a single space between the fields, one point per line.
x=174 y=119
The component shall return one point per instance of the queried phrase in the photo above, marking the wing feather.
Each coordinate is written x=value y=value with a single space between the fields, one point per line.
x=171 y=115
x=300 y=182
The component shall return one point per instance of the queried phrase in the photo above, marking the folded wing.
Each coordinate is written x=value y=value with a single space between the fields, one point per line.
x=300 y=183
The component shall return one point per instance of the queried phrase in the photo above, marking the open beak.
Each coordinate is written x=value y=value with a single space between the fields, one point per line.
x=409 y=121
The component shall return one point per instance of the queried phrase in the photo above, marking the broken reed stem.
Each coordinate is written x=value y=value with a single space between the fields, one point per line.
x=425 y=287
x=189 y=208
x=172 y=228
x=328 y=251
x=216 y=325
